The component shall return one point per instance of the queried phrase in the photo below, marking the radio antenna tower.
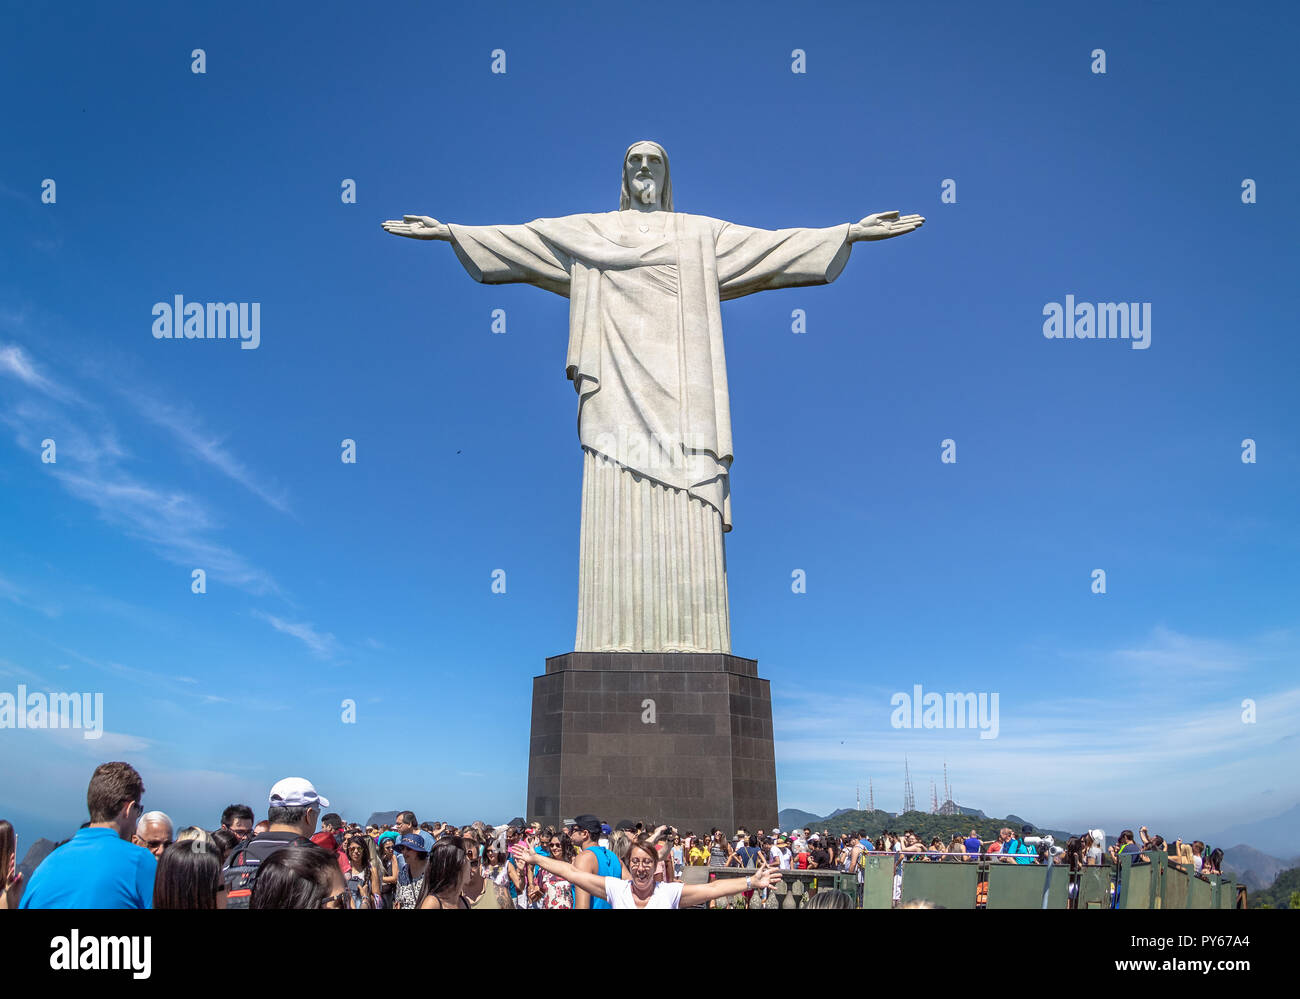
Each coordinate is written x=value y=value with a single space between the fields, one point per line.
x=909 y=797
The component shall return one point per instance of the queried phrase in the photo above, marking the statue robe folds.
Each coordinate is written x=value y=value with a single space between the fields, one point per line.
x=646 y=358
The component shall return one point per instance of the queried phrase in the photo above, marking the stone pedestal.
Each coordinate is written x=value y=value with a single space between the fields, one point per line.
x=676 y=737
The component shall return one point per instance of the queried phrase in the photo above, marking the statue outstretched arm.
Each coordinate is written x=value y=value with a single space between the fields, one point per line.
x=496 y=254
x=884 y=225
x=751 y=260
x=418 y=227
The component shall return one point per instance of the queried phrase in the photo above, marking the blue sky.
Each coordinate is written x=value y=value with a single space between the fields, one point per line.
x=372 y=581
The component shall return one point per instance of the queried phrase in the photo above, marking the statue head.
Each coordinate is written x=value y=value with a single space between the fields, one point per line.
x=645 y=177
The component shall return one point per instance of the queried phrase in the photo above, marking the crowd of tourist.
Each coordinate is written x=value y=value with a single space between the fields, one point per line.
x=301 y=856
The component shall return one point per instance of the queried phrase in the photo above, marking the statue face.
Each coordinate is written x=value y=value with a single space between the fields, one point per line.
x=645 y=172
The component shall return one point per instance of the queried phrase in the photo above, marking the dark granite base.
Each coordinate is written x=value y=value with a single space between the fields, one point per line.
x=706 y=760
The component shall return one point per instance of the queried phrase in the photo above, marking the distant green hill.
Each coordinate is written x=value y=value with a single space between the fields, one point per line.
x=1253 y=868
x=1284 y=891
x=925 y=825
x=796 y=818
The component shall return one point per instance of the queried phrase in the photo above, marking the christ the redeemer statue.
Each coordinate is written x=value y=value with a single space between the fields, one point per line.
x=645 y=355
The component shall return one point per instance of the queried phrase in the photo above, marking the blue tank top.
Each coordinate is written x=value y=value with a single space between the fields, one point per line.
x=607 y=866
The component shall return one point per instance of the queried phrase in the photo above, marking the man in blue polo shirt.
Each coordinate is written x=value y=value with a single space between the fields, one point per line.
x=99 y=868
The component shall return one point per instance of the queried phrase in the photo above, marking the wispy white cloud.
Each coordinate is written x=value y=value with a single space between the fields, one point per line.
x=322 y=644
x=186 y=687
x=91 y=466
x=173 y=522
x=34 y=418
x=16 y=674
x=16 y=595
x=1173 y=654
x=16 y=195
x=15 y=363
x=105 y=746
x=186 y=428
x=135 y=674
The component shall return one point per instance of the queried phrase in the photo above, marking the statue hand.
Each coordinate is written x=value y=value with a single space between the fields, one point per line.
x=884 y=225
x=418 y=227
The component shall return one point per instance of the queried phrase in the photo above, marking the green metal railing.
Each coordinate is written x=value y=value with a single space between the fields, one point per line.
x=893 y=880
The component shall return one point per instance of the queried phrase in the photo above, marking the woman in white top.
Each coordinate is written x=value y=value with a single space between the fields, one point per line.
x=642 y=891
x=1094 y=848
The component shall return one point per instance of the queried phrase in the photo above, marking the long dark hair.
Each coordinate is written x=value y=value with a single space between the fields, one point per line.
x=225 y=841
x=295 y=877
x=447 y=860
x=8 y=845
x=188 y=876
x=365 y=851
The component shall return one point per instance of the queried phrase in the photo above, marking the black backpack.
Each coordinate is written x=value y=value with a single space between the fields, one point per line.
x=240 y=872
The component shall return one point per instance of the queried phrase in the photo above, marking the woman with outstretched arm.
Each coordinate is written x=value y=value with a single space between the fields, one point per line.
x=642 y=891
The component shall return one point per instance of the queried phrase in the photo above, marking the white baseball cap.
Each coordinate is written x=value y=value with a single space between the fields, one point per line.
x=296 y=792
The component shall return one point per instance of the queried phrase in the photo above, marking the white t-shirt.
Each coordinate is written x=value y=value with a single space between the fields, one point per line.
x=619 y=893
x=781 y=858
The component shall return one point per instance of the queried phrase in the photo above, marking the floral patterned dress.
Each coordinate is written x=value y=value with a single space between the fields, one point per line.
x=557 y=893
